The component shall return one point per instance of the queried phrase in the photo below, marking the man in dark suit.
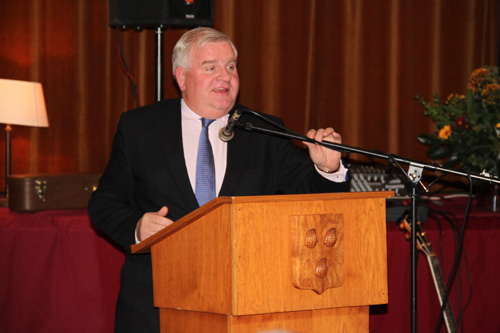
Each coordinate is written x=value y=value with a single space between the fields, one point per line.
x=150 y=180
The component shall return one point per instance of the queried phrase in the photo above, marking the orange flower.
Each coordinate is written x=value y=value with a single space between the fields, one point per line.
x=445 y=132
x=490 y=88
x=454 y=97
x=477 y=77
x=472 y=86
x=479 y=73
x=498 y=125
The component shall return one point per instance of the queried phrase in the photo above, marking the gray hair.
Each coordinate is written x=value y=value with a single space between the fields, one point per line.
x=181 y=56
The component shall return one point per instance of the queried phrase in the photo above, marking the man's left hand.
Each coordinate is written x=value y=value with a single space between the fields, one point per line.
x=326 y=159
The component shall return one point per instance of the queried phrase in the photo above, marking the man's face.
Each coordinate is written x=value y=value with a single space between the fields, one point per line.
x=210 y=86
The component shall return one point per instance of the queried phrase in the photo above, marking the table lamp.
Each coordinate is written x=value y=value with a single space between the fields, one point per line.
x=21 y=103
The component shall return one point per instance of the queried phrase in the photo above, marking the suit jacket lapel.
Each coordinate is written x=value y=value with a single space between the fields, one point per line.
x=236 y=158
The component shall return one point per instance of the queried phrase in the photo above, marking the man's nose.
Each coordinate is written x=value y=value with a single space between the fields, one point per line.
x=224 y=74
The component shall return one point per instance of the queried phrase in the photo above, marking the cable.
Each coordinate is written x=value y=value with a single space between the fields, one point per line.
x=125 y=69
x=457 y=256
x=469 y=300
x=269 y=121
x=461 y=308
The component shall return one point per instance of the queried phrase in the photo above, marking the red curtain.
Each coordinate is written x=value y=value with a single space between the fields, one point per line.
x=350 y=64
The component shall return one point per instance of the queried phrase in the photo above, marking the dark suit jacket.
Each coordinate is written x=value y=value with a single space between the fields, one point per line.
x=147 y=170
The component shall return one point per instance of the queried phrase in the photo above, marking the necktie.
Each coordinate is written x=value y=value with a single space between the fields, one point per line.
x=205 y=168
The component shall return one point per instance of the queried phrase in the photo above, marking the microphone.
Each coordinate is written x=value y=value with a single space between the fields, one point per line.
x=227 y=133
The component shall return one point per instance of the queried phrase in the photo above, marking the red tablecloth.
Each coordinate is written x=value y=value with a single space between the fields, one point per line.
x=57 y=274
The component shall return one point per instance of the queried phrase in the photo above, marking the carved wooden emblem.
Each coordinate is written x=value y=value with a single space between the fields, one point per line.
x=317 y=251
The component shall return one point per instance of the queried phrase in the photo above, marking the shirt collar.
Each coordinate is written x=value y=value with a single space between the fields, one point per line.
x=189 y=115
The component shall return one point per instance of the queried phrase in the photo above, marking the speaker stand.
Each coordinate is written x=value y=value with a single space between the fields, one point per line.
x=159 y=64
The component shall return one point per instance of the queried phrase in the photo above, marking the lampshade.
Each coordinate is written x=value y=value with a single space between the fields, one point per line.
x=22 y=103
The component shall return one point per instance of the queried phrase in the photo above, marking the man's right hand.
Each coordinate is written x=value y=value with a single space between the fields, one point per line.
x=151 y=223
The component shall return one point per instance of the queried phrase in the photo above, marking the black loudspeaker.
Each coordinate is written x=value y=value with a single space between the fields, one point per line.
x=139 y=14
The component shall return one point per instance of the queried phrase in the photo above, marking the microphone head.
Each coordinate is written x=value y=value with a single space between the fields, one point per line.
x=225 y=136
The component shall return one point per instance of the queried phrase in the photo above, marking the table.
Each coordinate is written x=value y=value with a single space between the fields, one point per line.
x=482 y=250
x=58 y=274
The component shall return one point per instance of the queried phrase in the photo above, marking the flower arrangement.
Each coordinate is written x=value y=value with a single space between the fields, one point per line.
x=468 y=125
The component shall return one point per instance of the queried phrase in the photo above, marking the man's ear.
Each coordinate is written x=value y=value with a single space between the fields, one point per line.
x=180 y=77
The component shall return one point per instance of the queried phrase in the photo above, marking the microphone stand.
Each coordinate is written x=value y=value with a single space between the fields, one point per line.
x=414 y=175
x=416 y=167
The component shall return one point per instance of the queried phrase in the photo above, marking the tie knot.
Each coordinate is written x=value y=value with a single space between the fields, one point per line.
x=206 y=122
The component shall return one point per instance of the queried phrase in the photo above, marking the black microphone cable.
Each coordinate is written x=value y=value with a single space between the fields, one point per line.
x=125 y=69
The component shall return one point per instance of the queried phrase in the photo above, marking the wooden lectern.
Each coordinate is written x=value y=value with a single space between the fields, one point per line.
x=284 y=263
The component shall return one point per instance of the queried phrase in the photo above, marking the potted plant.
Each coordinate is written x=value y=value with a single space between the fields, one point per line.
x=468 y=126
